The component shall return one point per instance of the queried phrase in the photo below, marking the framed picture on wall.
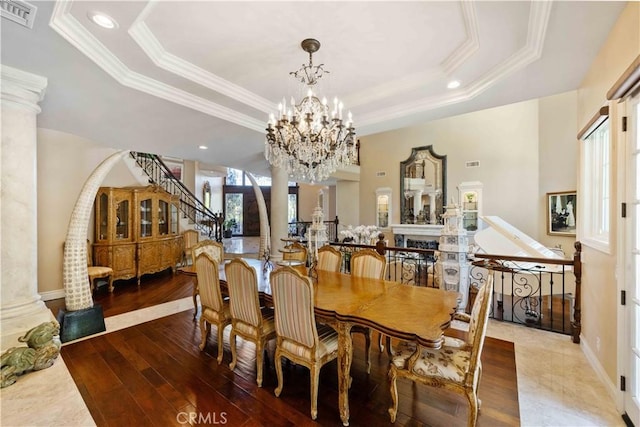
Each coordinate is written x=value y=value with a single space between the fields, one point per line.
x=561 y=213
x=175 y=167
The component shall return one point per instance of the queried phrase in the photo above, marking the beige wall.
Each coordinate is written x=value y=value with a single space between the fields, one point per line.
x=347 y=206
x=64 y=163
x=308 y=200
x=503 y=139
x=558 y=153
x=600 y=296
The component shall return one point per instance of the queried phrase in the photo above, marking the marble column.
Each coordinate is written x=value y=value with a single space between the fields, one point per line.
x=21 y=307
x=279 y=207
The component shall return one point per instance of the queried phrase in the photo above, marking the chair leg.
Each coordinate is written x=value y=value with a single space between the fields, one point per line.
x=380 y=343
x=220 y=343
x=205 y=328
x=393 y=387
x=259 y=361
x=314 y=372
x=278 y=362
x=232 y=344
x=110 y=283
x=473 y=408
x=367 y=349
x=195 y=301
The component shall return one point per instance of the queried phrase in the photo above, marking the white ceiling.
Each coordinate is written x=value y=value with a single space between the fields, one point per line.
x=176 y=75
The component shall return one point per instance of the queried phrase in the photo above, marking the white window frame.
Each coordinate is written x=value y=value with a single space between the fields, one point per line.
x=596 y=170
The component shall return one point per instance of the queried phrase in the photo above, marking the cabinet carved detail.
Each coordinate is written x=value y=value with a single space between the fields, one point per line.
x=137 y=230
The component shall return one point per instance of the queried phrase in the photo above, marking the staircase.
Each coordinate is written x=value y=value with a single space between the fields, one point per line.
x=205 y=221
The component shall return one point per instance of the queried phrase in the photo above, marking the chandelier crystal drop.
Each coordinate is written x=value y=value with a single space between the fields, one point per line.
x=310 y=140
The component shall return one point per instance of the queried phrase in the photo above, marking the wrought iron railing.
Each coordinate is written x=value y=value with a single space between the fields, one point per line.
x=537 y=292
x=542 y=293
x=300 y=228
x=204 y=220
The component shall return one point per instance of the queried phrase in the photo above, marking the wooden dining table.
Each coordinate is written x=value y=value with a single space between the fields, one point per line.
x=405 y=312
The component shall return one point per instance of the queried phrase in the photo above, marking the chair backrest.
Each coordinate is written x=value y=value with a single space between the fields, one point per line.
x=208 y=281
x=293 y=302
x=478 y=327
x=402 y=271
x=244 y=301
x=211 y=247
x=329 y=259
x=190 y=238
x=368 y=263
x=299 y=255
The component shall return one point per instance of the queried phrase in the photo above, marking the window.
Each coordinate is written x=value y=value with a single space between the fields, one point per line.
x=596 y=185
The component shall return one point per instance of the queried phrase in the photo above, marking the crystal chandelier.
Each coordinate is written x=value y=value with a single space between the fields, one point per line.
x=307 y=139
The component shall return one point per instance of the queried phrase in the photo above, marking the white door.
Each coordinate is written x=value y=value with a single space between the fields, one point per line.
x=632 y=264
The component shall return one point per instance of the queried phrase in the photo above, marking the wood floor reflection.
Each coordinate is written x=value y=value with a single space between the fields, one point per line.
x=154 y=374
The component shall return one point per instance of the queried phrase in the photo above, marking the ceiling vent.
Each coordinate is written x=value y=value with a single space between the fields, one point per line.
x=18 y=11
x=472 y=164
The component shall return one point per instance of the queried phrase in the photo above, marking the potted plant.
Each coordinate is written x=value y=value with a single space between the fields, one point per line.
x=228 y=226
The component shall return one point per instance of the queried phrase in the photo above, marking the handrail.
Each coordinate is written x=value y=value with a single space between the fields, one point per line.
x=158 y=172
x=498 y=263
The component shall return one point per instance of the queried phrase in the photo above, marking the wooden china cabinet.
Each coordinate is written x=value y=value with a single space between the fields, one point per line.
x=136 y=231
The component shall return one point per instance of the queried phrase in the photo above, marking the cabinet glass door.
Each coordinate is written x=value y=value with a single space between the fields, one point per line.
x=103 y=208
x=122 y=220
x=145 y=218
x=470 y=210
x=174 y=219
x=163 y=218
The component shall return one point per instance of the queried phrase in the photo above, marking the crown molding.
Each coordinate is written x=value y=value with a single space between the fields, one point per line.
x=167 y=61
x=530 y=52
x=470 y=45
x=460 y=54
x=71 y=30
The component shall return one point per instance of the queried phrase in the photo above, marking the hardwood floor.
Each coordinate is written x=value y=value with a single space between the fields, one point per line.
x=154 y=374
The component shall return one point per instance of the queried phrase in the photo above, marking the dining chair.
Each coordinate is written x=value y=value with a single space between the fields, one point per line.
x=248 y=320
x=215 y=309
x=368 y=264
x=299 y=253
x=189 y=238
x=216 y=251
x=329 y=259
x=455 y=366
x=97 y=271
x=213 y=248
x=299 y=338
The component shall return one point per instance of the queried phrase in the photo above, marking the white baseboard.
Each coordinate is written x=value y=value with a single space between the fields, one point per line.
x=49 y=295
x=612 y=388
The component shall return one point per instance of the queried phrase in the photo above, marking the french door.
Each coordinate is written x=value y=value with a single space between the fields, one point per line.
x=632 y=266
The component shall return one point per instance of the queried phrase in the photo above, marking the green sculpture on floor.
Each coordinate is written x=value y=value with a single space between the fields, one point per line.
x=43 y=343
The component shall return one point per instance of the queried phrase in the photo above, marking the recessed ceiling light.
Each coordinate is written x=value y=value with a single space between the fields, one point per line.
x=103 y=20
x=453 y=84
x=202 y=147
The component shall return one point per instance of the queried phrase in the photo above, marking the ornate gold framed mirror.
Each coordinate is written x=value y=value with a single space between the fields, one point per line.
x=423 y=187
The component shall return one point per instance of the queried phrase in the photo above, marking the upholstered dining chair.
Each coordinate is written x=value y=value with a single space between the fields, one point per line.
x=97 y=271
x=216 y=251
x=369 y=264
x=213 y=248
x=215 y=309
x=329 y=259
x=300 y=253
x=189 y=238
x=455 y=366
x=299 y=338
x=248 y=319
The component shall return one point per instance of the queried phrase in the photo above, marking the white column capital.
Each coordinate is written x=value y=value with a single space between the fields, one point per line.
x=21 y=89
